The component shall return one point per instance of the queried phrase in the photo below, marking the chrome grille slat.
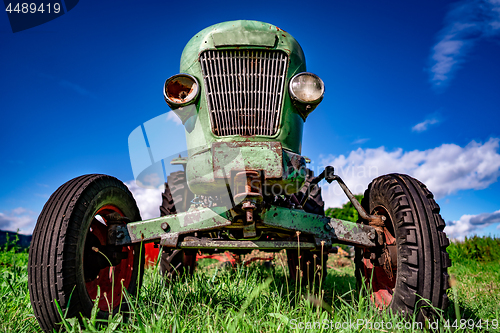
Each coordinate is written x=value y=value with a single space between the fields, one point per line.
x=244 y=90
x=281 y=84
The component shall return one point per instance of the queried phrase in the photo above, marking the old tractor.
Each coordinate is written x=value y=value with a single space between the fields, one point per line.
x=243 y=97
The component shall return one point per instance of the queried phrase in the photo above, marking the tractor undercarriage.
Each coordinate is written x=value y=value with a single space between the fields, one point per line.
x=255 y=222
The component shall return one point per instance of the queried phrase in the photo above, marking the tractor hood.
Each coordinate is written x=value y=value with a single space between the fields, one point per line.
x=246 y=34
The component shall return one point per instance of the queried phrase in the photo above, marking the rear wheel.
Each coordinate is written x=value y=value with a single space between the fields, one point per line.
x=64 y=264
x=176 y=199
x=314 y=203
x=414 y=266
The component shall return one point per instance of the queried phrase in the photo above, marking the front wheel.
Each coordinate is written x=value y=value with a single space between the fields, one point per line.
x=68 y=257
x=413 y=268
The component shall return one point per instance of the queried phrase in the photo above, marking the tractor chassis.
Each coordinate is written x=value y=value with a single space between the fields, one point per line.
x=175 y=231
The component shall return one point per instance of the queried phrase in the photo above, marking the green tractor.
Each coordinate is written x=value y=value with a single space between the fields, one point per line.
x=243 y=97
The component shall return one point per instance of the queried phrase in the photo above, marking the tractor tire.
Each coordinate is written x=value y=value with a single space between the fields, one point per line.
x=176 y=199
x=414 y=228
x=314 y=205
x=63 y=265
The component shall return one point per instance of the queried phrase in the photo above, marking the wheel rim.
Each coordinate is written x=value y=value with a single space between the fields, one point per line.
x=110 y=288
x=382 y=283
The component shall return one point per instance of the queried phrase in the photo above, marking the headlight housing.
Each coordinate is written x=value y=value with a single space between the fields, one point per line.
x=181 y=90
x=306 y=90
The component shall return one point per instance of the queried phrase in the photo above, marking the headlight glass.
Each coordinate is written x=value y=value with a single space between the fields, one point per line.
x=307 y=88
x=181 y=89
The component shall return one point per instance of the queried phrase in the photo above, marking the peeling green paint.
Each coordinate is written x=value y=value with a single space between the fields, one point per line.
x=329 y=230
x=195 y=219
x=324 y=228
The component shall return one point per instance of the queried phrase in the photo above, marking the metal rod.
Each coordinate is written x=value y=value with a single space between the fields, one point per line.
x=361 y=211
x=328 y=174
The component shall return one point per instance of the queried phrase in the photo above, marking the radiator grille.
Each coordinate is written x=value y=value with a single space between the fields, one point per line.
x=244 y=90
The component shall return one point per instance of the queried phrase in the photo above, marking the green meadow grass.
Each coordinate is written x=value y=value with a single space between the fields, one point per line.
x=475 y=275
x=257 y=299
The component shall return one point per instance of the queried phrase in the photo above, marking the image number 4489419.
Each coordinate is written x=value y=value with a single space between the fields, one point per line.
x=26 y=15
x=32 y=8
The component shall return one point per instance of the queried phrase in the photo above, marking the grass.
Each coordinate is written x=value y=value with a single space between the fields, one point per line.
x=255 y=299
x=16 y=314
x=475 y=276
x=477 y=289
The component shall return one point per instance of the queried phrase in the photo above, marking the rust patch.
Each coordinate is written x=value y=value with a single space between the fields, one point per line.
x=222 y=153
x=178 y=92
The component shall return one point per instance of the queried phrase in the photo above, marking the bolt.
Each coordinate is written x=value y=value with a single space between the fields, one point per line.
x=164 y=226
x=120 y=235
x=249 y=215
x=371 y=235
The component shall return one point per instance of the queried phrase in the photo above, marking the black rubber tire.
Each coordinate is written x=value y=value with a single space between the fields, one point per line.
x=176 y=198
x=413 y=219
x=56 y=270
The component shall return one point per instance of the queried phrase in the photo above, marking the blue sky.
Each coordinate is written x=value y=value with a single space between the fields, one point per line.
x=411 y=87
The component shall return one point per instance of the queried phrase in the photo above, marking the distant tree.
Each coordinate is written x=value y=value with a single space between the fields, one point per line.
x=347 y=212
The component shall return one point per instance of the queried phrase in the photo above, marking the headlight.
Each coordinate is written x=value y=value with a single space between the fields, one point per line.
x=181 y=90
x=306 y=91
x=307 y=88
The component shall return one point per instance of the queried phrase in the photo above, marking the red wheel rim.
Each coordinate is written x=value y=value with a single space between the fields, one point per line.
x=382 y=284
x=110 y=295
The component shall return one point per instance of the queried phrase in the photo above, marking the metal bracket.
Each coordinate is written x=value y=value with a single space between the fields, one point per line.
x=118 y=234
x=353 y=233
x=170 y=239
x=166 y=228
x=321 y=227
x=249 y=230
x=258 y=245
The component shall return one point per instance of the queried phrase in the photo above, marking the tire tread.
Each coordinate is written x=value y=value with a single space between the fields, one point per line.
x=421 y=241
x=52 y=256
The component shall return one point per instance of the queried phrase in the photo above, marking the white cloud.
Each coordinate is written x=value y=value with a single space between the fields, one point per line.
x=445 y=169
x=148 y=200
x=423 y=126
x=468 y=22
x=171 y=116
x=20 y=219
x=469 y=224
x=360 y=141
